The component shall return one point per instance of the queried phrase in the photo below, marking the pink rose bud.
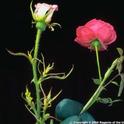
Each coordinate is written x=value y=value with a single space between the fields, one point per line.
x=44 y=12
x=95 y=30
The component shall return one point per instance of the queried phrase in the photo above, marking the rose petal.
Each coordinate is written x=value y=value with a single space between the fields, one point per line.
x=84 y=36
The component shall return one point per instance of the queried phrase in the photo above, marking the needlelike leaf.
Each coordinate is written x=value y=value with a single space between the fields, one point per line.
x=60 y=76
x=52 y=99
x=121 y=87
x=49 y=94
x=115 y=83
x=120 y=51
x=52 y=25
x=96 y=81
x=17 y=53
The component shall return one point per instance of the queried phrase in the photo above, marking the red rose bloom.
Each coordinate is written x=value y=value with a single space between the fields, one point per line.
x=95 y=30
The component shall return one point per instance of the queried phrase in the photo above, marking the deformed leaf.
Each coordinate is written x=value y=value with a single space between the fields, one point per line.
x=96 y=81
x=120 y=51
x=119 y=66
x=17 y=53
x=51 y=121
x=115 y=83
x=121 y=87
x=51 y=26
x=108 y=101
x=113 y=101
x=104 y=100
x=52 y=99
x=111 y=69
x=49 y=94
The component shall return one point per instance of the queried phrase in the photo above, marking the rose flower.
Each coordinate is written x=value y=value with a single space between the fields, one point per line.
x=95 y=30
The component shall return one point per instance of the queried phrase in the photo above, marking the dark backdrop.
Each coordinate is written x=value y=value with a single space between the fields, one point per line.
x=17 y=34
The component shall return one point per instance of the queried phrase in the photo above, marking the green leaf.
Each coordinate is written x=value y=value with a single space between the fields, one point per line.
x=120 y=51
x=96 y=81
x=121 y=87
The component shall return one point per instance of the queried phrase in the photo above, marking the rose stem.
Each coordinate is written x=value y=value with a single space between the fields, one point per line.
x=96 y=45
x=100 y=88
x=35 y=75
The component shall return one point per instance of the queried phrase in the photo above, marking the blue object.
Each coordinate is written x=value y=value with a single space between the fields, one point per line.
x=86 y=117
x=66 y=108
x=71 y=120
x=68 y=111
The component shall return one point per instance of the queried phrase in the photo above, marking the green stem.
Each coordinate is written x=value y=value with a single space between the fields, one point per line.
x=101 y=87
x=34 y=64
x=35 y=75
x=94 y=97
x=98 y=63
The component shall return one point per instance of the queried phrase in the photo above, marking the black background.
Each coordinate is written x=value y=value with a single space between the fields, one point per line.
x=17 y=34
